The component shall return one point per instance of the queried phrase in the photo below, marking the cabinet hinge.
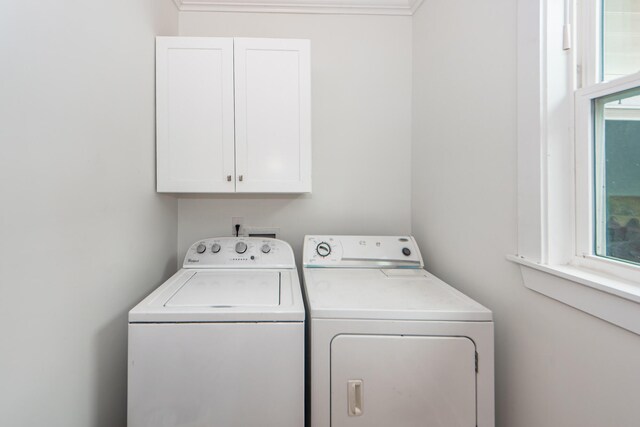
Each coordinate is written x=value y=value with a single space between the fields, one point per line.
x=476 y=361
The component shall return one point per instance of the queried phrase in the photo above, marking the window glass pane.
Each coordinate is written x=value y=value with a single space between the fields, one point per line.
x=621 y=38
x=617 y=176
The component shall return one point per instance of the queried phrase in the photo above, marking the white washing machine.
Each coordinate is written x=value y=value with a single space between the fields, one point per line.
x=389 y=343
x=221 y=343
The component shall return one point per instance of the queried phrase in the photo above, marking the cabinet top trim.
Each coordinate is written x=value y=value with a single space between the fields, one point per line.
x=337 y=7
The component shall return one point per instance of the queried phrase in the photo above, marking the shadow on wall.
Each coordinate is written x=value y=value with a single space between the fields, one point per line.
x=111 y=378
x=110 y=346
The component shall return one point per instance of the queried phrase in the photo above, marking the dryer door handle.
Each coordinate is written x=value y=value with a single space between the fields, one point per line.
x=354 y=397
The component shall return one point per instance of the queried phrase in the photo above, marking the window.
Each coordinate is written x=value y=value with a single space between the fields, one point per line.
x=617 y=137
x=617 y=176
x=579 y=154
x=620 y=34
x=607 y=137
x=607 y=142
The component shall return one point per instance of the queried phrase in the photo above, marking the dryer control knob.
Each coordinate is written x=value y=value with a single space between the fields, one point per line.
x=201 y=248
x=406 y=251
x=265 y=249
x=323 y=249
x=215 y=248
x=241 y=247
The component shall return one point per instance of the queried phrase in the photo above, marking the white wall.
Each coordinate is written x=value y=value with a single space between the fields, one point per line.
x=83 y=235
x=556 y=366
x=361 y=112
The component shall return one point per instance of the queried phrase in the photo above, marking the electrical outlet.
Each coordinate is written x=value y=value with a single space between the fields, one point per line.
x=235 y=221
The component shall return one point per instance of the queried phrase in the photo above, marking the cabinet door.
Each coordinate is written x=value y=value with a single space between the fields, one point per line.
x=402 y=381
x=273 y=115
x=194 y=108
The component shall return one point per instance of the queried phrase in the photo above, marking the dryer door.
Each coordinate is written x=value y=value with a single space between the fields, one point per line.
x=402 y=381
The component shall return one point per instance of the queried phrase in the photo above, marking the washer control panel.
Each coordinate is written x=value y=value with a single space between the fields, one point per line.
x=239 y=252
x=361 y=252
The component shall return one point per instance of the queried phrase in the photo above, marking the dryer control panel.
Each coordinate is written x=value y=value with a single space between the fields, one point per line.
x=239 y=252
x=361 y=252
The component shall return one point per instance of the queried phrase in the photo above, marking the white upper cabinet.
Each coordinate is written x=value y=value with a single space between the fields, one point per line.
x=273 y=123
x=233 y=115
x=194 y=114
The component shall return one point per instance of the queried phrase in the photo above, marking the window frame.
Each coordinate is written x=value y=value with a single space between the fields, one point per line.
x=585 y=179
x=555 y=180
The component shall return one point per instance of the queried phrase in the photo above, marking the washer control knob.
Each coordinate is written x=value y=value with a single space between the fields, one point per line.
x=201 y=248
x=215 y=248
x=241 y=247
x=406 y=251
x=265 y=248
x=323 y=249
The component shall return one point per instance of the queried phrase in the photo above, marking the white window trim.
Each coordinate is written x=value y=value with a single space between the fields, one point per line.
x=548 y=200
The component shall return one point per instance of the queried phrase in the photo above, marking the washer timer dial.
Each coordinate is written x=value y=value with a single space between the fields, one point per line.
x=323 y=249
x=241 y=247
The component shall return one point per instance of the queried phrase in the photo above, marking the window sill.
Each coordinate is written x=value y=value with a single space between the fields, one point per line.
x=606 y=297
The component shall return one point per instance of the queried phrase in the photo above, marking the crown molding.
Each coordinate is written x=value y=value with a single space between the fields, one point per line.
x=338 y=7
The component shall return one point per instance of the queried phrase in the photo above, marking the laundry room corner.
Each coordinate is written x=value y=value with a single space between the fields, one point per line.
x=406 y=152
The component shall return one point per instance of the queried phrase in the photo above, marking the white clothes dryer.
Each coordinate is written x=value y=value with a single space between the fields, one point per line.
x=221 y=343
x=389 y=344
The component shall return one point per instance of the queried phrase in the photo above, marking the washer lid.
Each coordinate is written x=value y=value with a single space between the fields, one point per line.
x=228 y=289
x=224 y=295
x=395 y=294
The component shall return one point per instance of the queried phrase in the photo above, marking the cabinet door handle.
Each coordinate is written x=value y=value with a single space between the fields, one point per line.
x=229 y=178
x=354 y=397
x=240 y=178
